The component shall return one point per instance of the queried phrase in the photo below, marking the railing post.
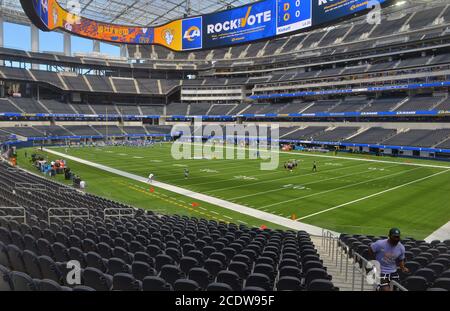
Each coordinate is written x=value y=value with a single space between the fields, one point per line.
x=354 y=270
x=346 y=266
x=363 y=274
x=332 y=249
x=323 y=237
x=342 y=254
x=337 y=251
x=329 y=243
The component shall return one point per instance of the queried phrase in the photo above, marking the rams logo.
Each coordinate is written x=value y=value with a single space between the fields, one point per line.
x=168 y=36
x=192 y=33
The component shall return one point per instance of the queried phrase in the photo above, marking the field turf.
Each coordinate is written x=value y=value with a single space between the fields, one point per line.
x=345 y=195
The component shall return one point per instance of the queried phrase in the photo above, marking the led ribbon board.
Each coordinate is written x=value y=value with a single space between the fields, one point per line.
x=260 y=20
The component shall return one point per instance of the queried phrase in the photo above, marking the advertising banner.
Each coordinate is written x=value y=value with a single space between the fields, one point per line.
x=259 y=20
x=244 y=24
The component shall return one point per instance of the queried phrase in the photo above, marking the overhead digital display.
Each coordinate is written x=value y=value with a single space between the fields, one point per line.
x=244 y=24
x=293 y=15
x=260 y=20
x=325 y=11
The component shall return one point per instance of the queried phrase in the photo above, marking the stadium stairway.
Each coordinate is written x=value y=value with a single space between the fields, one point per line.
x=328 y=252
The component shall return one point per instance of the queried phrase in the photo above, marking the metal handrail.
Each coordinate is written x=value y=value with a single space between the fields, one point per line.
x=7 y=208
x=394 y=284
x=29 y=186
x=70 y=215
x=360 y=264
x=333 y=245
x=130 y=213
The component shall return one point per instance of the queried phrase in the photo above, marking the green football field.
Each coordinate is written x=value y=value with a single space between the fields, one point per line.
x=345 y=194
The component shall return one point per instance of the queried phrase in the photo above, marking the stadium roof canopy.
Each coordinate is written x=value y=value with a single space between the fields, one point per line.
x=140 y=12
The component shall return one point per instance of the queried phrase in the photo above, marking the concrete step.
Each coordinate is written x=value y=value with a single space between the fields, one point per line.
x=341 y=278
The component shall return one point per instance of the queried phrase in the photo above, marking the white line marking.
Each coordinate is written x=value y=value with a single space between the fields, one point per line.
x=373 y=195
x=310 y=183
x=343 y=187
x=347 y=158
x=314 y=230
x=214 y=212
x=441 y=234
x=201 y=208
x=275 y=179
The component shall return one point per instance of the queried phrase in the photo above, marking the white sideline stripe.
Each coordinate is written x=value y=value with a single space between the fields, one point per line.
x=292 y=224
x=375 y=194
x=441 y=234
x=350 y=158
x=342 y=187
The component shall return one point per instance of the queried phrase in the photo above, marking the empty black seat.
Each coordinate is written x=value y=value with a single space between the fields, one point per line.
x=22 y=282
x=94 y=260
x=187 y=263
x=442 y=283
x=144 y=257
x=140 y=270
x=5 y=279
x=314 y=274
x=117 y=265
x=30 y=243
x=240 y=268
x=321 y=285
x=5 y=236
x=265 y=269
x=259 y=280
x=44 y=247
x=219 y=287
x=15 y=258
x=415 y=283
x=427 y=273
x=201 y=276
x=126 y=282
x=213 y=266
x=96 y=279
x=49 y=286
x=170 y=273
x=161 y=260
x=155 y=283
x=231 y=278
x=290 y=271
x=185 y=285
x=122 y=253
x=32 y=266
x=289 y=283
x=49 y=269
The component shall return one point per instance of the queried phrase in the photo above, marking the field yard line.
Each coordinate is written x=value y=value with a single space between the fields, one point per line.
x=282 y=221
x=191 y=166
x=441 y=234
x=309 y=183
x=283 y=177
x=375 y=194
x=343 y=187
x=181 y=173
x=357 y=159
x=202 y=183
